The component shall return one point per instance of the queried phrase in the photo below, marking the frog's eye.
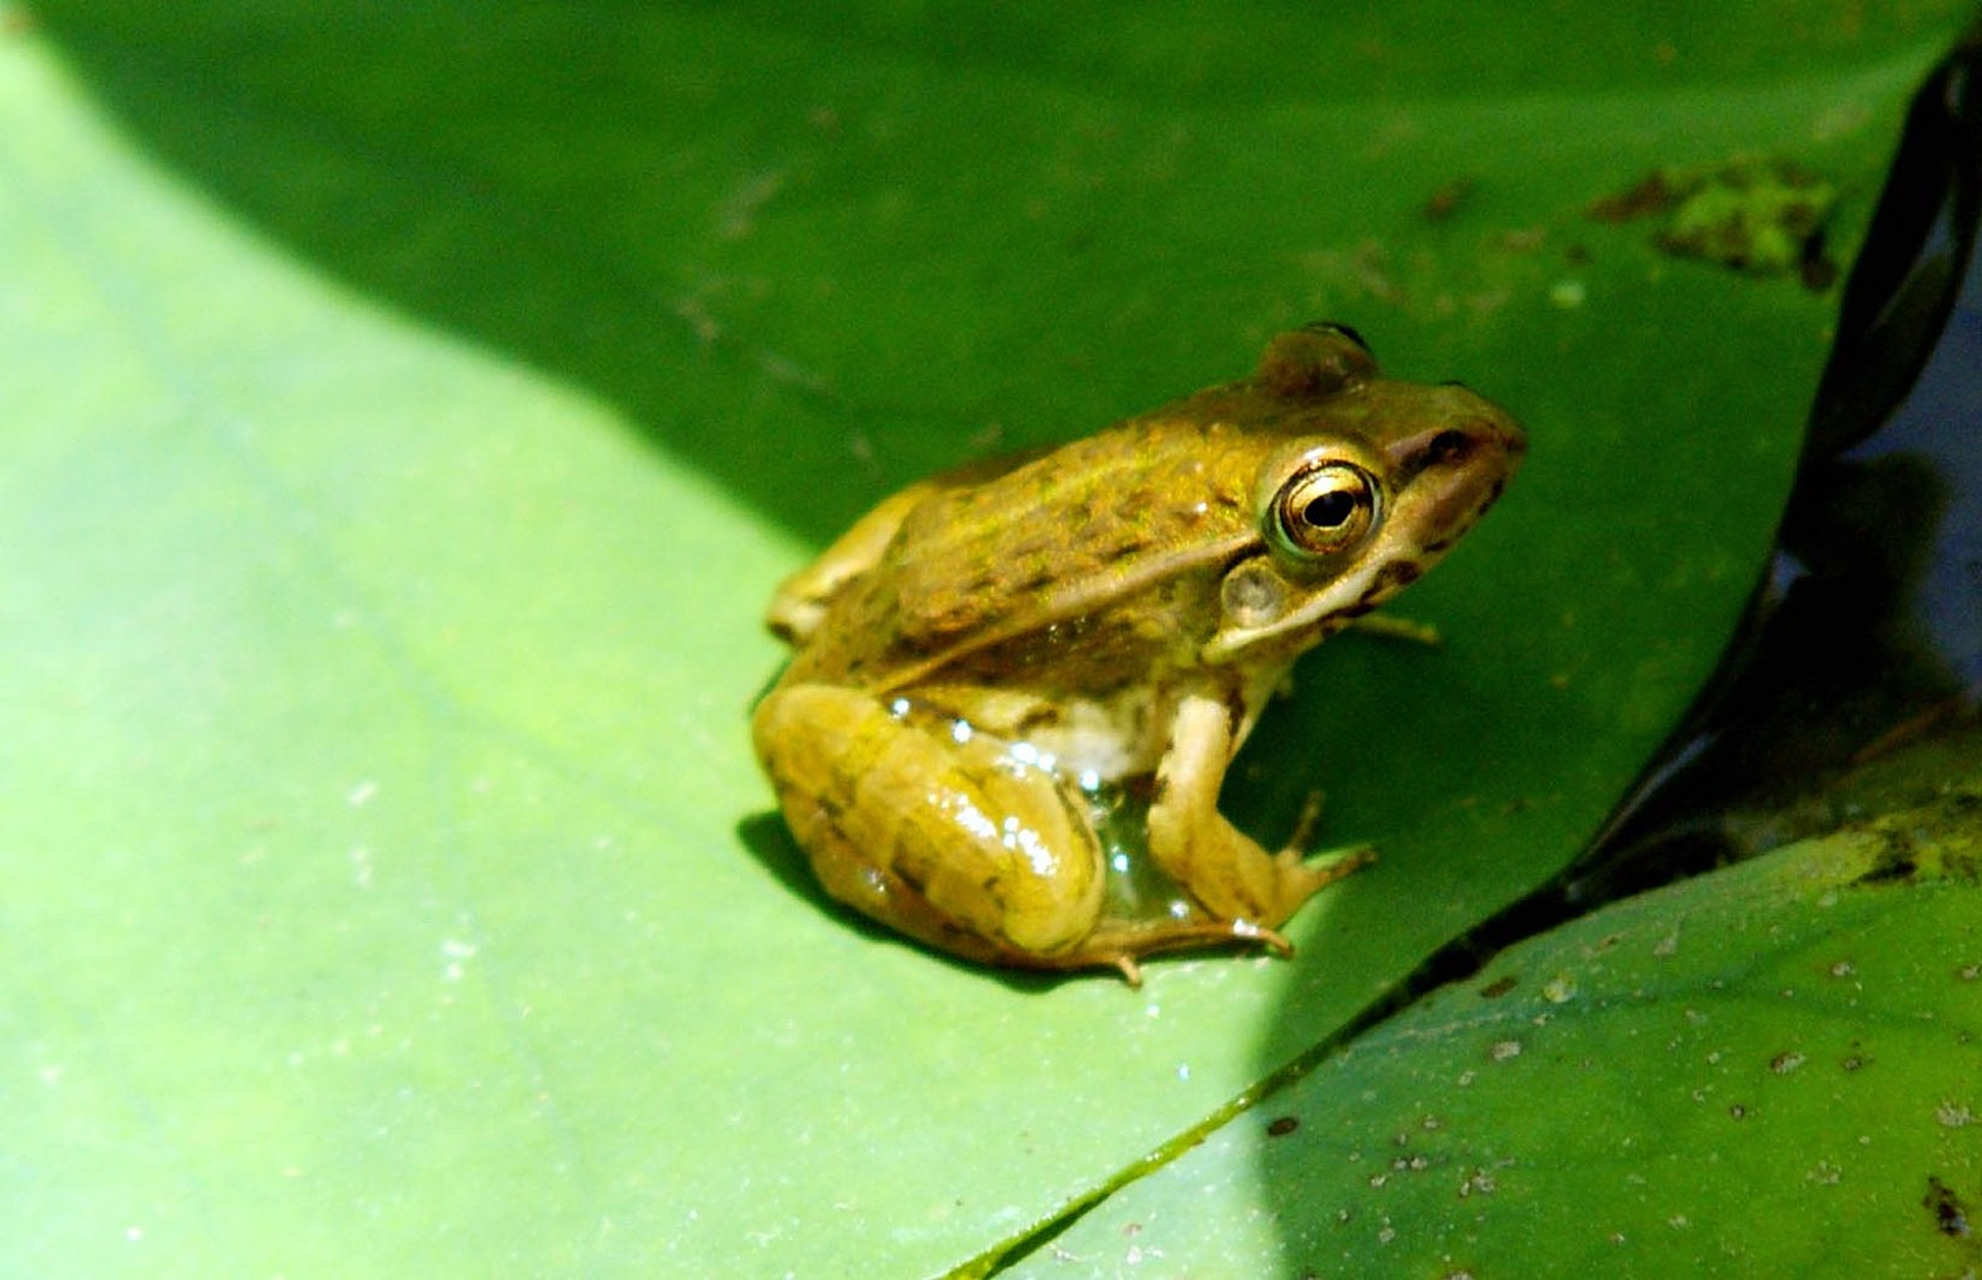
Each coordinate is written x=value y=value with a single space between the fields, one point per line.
x=1324 y=508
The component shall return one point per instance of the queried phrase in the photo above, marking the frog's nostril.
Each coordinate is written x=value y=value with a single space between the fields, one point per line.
x=1448 y=446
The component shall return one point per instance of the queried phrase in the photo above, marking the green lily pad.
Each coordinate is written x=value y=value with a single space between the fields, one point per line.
x=409 y=415
x=1753 y=217
x=1771 y=1070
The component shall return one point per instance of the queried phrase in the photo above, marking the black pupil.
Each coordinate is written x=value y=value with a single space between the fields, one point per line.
x=1331 y=510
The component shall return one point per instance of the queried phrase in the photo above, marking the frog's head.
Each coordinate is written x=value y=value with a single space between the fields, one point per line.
x=1377 y=480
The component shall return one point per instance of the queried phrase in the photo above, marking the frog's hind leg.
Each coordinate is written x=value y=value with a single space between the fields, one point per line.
x=933 y=830
x=801 y=600
x=1121 y=943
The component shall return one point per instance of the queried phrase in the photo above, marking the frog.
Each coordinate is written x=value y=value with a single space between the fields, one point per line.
x=990 y=659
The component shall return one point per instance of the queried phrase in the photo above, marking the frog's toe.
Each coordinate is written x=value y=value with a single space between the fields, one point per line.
x=1304 y=826
x=1336 y=863
x=1301 y=877
x=1272 y=939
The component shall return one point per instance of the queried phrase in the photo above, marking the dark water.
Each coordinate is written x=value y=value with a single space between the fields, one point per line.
x=1867 y=632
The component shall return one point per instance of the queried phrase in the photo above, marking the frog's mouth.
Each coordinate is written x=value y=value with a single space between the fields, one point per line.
x=1439 y=485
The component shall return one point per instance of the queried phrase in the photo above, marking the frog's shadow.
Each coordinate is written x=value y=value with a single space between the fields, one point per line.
x=769 y=841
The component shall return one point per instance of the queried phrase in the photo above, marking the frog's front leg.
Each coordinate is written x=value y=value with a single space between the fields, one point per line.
x=937 y=831
x=1224 y=869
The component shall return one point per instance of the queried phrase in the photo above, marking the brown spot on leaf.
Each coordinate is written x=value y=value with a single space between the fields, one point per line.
x=1950 y=1215
x=1651 y=195
x=1445 y=201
